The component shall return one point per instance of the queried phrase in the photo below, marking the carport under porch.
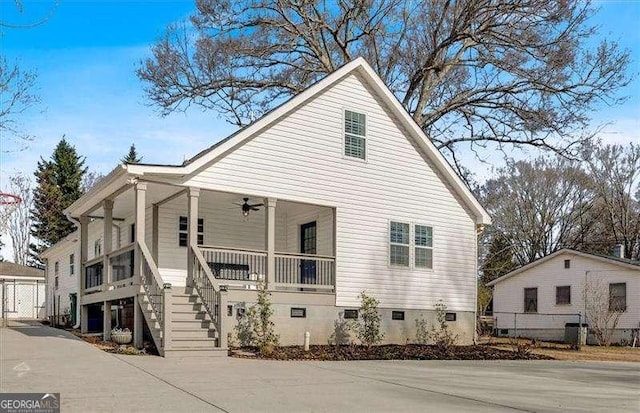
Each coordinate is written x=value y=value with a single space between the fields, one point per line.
x=157 y=237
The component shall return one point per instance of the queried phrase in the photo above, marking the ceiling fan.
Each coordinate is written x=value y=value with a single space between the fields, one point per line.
x=247 y=207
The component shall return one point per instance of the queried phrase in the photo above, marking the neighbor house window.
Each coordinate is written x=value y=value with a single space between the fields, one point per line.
x=530 y=300
x=72 y=267
x=56 y=268
x=354 y=134
x=618 y=297
x=399 y=244
x=423 y=246
x=567 y=263
x=563 y=295
x=97 y=247
x=183 y=231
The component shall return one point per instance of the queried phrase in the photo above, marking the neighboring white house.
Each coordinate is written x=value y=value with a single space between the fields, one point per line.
x=539 y=299
x=335 y=192
x=22 y=291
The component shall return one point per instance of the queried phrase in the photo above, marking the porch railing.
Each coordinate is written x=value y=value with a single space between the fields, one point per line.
x=241 y=267
x=207 y=287
x=121 y=263
x=93 y=273
x=305 y=271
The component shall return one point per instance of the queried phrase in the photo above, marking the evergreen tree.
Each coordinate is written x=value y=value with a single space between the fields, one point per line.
x=58 y=185
x=68 y=171
x=498 y=261
x=132 y=156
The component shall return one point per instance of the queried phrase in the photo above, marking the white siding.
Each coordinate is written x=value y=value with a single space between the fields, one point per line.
x=300 y=158
x=67 y=283
x=546 y=276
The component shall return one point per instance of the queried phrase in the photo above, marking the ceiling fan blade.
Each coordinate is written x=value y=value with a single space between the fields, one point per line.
x=253 y=208
x=235 y=203
x=257 y=205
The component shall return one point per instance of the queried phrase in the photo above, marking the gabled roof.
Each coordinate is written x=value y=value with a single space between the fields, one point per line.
x=630 y=264
x=16 y=270
x=359 y=65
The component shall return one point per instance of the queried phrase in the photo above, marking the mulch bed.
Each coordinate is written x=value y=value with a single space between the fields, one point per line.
x=111 y=347
x=387 y=352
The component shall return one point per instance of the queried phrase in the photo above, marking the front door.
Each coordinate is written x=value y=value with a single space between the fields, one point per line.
x=308 y=242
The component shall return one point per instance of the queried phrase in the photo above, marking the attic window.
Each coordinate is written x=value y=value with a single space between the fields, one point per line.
x=567 y=263
x=354 y=134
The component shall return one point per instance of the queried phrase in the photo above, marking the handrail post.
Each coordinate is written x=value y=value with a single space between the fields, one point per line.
x=167 y=294
x=223 y=341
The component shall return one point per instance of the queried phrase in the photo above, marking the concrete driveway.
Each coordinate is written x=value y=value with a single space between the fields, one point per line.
x=41 y=359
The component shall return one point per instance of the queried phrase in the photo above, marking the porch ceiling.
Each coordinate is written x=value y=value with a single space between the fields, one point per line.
x=124 y=204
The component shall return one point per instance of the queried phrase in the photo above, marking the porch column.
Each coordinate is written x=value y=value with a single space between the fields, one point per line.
x=106 y=321
x=141 y=192
x=138 y=320
x=83 y=311
x=270 y=241
x=193 y=196
x=107 y=231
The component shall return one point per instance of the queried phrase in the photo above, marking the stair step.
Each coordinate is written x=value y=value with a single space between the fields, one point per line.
x=196 y=352
x=195 y=339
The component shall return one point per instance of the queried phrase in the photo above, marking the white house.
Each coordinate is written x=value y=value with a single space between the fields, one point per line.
x=539 y=299
x=22 y=291
x=335 y=192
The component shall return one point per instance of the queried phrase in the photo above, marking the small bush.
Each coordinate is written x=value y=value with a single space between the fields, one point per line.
x=262 y=328
x=341 y=335
x=368 y=328
x=440 y=334
x=422 y=331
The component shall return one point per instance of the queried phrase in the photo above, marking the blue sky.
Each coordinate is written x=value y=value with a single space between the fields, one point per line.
x=85 y=55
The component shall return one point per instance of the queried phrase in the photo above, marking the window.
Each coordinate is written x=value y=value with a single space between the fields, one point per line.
x=72 y=268
x=132 y=233
x=354 y=134
x=397 y=315
x=530 y=300
x=567 y=263
x=350 y=314
x=423 y=246
x=183 y=231
x=56 y=282
x=298 y=312
x=399 y=244
x=450 y=317
x=618 y=297
x=97 y=247
x=563 y=295
x=56 y=268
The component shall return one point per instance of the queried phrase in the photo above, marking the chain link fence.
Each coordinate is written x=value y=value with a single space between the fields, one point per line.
x=554 y=327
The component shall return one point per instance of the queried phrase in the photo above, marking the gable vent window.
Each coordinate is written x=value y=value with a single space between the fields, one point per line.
x=72 y=267
x=183 y=231
x=354 y=134
x=567 y=263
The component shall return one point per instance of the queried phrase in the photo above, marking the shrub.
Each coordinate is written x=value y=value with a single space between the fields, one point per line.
x=261 y=326
x=341 y=332
x=368 y=328
x=422 y=332
x=440 y=334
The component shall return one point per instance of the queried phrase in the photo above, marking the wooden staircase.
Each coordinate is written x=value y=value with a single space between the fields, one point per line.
x=191 y=331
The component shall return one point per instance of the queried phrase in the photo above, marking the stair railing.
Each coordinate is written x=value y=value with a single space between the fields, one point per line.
x=207 y=288
x=152 y=283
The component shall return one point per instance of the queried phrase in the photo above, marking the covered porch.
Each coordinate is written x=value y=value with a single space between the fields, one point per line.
x=155 y=236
